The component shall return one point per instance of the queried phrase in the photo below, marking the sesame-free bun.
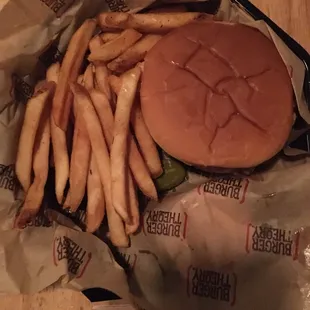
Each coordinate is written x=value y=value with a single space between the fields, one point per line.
x=217 y=94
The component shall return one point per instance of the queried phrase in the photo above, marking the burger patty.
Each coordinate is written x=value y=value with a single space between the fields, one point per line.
x=217 y=94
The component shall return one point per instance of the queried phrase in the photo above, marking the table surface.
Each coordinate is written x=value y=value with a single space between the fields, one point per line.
x=293 y=16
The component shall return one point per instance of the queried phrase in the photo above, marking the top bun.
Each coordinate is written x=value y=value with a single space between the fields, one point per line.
x=217 y=94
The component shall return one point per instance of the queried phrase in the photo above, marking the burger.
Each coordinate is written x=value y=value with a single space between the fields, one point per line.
x=217 y=94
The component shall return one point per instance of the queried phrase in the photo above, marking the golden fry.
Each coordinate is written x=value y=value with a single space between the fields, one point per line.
x=104 y=111
x=114 y=48
x=133 y=207
x=134 y=54
x=137 y=165
x=88 y=78
x=95 y=209
x=101 y=74
x=34 y=110
x=105 y=114
x=109 y=36
x=140 y=171
x=149 y=22
x=119 y=149
x=106 y=118
x=95 y=43
x=79 y=164
x=147 y=145
x=100 y=151
x=69 y=72
x=59 y=146
x=81 y=151
x=35 y=193
x=80 y=79
x=61 y=159
x=115 y=83
x=52 y=73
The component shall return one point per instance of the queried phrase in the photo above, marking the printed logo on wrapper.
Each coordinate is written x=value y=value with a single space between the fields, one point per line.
x=8 y=178
x=58 y=6
x=23 y=91
x=117 y=5
x=165 y=223
x=230 y=187
x=210 y=284
x=77 y=258
x=267 y=239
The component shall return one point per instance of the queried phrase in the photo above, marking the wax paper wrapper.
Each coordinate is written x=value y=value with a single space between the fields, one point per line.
x=226 y=243
x=52 y=250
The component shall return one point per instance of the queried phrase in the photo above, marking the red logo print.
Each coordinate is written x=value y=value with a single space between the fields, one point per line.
x=232 y=188
x=211 y=284
x=165 y=223
x=267 y=239
x=77 y=258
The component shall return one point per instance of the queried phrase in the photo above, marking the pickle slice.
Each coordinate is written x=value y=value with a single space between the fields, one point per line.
x=174 y=174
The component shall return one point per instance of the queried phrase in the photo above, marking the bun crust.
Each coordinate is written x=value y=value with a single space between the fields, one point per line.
x=217 y=94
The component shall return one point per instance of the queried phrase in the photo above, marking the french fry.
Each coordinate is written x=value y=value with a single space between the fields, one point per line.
x=147 y=145
x=61 y=159
x=34 y=110
x=79 y=164
x=105 y=114
x=69 y=72
x=95 y=43
x=59 y=145
x=80 y=79
x=149 y=22
x=52 y=72
x=114 y=48
x=101 y=79
x=81 y=151
x=88 y=77
x=104 y=111
x=119 y=150
x=109 y=36
x=140 y=171
x=35 y=193
x=115 y=83
x=95 y=208
x=133 y=207
x=134 y=54
x=117 y=230
x=137 y=165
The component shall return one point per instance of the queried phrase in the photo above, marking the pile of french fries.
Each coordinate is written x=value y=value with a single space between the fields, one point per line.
x=112 y=149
